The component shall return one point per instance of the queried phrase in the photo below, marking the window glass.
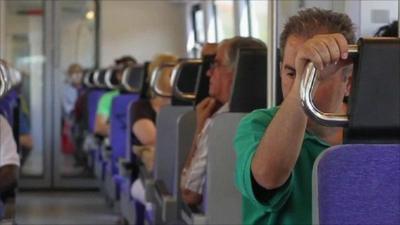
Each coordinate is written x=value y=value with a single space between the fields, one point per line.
x=199 y=25
x=259 y=19
x=25 y=51
x=77 y=52
x=225 y=23
x=244 y=21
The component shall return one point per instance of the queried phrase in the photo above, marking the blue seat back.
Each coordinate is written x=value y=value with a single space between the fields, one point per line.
x=119 y=125
x=7 y=105
x=93 y=98
x=129 y=134
x=357 y=184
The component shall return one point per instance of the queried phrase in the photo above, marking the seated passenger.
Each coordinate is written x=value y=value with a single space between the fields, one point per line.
x=102 y=125
x=144 y=122
x=390 y=30
x=9 y=159
x=146 y=110
x=276 y=148
x=72 y=87
x=221 y=78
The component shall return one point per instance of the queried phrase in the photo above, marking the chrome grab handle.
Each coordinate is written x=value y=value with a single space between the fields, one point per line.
x=108 y=77
x=86 y=79
x=3 y=79
x=176 y=73
x=96 y=78
x=307 y=90
x=154 y=80
x=124 y=81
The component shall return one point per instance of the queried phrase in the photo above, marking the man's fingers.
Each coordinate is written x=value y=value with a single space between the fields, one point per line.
x=343 y=45
x=333 y=48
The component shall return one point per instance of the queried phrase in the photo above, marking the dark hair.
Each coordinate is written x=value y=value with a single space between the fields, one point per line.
x=390 y=30
x=309 y=22
x=236 y=43
x=126 y=60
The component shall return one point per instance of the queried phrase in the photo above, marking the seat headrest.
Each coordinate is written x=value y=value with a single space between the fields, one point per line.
x=86 y=74
x=249 y=90
x=88 y=79
x=203 y=81
x=99 y=78
x=157 y=78
x=132 y=78
x=111 y=79
x=184 y=78
x=374 y=103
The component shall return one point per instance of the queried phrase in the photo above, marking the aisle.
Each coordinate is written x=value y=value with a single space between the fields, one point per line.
x=56 y=208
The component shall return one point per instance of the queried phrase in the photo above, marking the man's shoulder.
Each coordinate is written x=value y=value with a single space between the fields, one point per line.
x=255 y=122
x=262 y=114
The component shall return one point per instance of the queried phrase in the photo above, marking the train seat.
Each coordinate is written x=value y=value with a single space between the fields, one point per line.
x=175 y=130
x=359 y=182
x=221 y=201
x=131 y=85
x=132 y=210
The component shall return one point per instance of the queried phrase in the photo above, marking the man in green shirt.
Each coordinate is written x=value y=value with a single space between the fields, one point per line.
x=276 y=148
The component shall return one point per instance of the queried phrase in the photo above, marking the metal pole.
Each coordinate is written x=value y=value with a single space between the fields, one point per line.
x=272 y=56
x=237 y=16
x=398 y=18
x=2 y=29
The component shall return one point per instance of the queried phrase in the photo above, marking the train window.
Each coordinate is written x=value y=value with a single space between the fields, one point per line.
x=77 y=51
x=224 y=19
x=198 y=23
x=245 y=20
x=25 y=51
x=259 y=18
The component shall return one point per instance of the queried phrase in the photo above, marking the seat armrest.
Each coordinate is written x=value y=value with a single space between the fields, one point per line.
x=167 y=202
x=106 y=152
x=123 y=167
x=192 y=215
x=144 y=174
x=148 y=182
x=150 y=190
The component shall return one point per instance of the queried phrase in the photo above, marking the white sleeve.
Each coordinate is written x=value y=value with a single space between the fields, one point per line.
x=195 y=175
x=8 y=148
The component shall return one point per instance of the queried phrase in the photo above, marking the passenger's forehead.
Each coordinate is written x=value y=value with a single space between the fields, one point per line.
x=293 y=44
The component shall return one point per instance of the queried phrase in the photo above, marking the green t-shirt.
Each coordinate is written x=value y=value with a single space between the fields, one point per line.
x=290 y=203
x=104 y=105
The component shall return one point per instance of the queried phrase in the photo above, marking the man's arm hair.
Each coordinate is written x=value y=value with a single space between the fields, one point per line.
x=280 y=146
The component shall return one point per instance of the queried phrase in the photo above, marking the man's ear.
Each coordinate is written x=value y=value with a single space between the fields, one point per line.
x=280 y=68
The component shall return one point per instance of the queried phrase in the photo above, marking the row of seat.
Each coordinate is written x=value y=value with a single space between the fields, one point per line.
x=372 y=92
x=175 y=131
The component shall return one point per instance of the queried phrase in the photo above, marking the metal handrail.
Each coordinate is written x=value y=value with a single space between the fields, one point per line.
x=154 y=80
x=108 y=77
x=96 y=78
x=3 y=77
x=307 y=91
x=176 y=73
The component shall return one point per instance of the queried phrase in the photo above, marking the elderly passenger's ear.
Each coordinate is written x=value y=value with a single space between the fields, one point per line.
x=348 y=84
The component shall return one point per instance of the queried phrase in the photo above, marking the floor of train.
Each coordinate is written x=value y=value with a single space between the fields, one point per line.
x=56 y=208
